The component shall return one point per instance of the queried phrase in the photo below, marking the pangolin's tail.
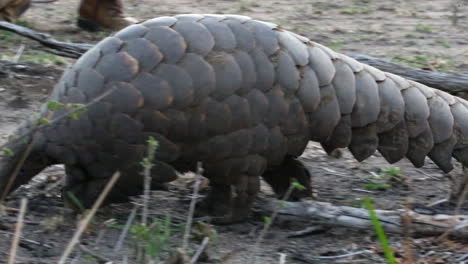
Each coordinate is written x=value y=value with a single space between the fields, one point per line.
x=365 y=109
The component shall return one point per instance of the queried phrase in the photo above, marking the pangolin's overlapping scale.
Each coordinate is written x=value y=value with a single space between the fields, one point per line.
x=245 y=38
x=441 y=153
x=294 y=46
x=392 y=106
x=309 y=90
x=278 y=108
x=146 y=53
x=266 y=39
x=202 y=75
x=367 y=107
x=440 y=119
x=132 y=32
x=247 y=67
x=419 y=147
x=117 y=66
x=240 y=112
x=90 y=82
x=364 y=141
x=460 y=112
x=323 y=120
x=126 y=98
x=228 y=74
x=180 y=82
x=224 y=39
x=322 y=64
x=345 y=86
x=287 y=73
x=110 y=45
x=296 y=120
x=341 y=136
x=393 y=143
x=157 y=92
x=171 y=44
x=166 y=21
x=416 y=111
x=264 y=69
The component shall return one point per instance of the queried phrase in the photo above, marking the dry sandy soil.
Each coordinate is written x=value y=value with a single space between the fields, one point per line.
x=417 y=32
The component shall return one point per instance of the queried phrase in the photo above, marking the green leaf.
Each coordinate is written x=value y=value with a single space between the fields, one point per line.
x=54 y=105
x=297 y=185
x=43 y=121
x=7 y=151
x=380 y=231
x=377 y=186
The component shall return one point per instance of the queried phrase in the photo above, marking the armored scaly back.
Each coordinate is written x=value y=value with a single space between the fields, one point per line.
x=242 y=96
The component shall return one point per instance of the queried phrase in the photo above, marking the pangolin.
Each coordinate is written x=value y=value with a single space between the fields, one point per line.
x=242 y=96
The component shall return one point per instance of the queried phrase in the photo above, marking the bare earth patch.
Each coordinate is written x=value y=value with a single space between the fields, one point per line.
x=416 y=32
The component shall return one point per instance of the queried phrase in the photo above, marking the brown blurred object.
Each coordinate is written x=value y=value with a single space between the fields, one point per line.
x=10 y=10
x=93 y=14
x=108 y=14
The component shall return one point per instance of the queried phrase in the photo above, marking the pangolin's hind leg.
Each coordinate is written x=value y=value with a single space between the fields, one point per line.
x=230 y=203
x=281 y=177
x=83 y=188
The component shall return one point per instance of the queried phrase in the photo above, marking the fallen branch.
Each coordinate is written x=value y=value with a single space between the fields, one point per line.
x=65 y=49
x=358 y=218
x=451 y=83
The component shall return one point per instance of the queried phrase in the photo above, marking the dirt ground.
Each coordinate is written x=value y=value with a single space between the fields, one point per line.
x=416 y=32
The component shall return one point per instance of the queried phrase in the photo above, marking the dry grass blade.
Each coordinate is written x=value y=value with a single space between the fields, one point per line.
x=267 y=226
x=148 y=164
x=464 y=193
x=193 y=202
x=124 y=233
x=84 y=223
x=200 y=250
x=19 y=53
x=282 y=259
x=19 y=227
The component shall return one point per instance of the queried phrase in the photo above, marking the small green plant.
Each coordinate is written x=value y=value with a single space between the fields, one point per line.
x=420 y=61
x=246 y=5
x=43 y=121
x=148 y=160
x=55 y=105
x=377 y=186
x=76 y=110
x=8 y=152
x=75 y=201
x=296 y=185
x=380 y=231
x=43 y=58
x=442 y=42
x=392 y=171
x=356 y=10
x=423 y=28
x=152 y=239
x=335 y=45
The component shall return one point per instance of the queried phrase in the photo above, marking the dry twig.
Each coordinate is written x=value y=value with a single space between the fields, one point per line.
x=193 y=202
x=19 y=228
x=84 y=223
x=200 y=250
x=328 y=214
x=124 y=233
